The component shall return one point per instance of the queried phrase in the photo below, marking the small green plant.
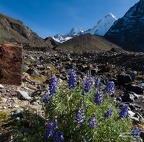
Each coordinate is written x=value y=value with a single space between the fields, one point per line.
x=64 y=107
x=28 y=126
x=85 y=114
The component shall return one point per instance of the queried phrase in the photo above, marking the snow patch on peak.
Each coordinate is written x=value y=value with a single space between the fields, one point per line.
x=59 y=38
x=74 y=32
x=111 y=15
x=81 y=31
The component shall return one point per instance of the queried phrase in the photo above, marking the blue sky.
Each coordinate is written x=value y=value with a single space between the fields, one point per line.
x=49 y=17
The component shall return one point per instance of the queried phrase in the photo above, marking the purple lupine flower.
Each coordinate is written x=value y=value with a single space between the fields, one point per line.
x=110 y=87
x=72 y=78
x=108 y=113
x=53 y=85
x=80 y=115
x=124 y=111
x=92 y=122
x=51 y=128
x=97 y=83
x=98 y=98
x=58 y=137
x=136 y=132
x=87 y=84
x=45 y=98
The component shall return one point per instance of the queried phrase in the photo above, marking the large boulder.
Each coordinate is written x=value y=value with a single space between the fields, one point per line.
x=10 y=63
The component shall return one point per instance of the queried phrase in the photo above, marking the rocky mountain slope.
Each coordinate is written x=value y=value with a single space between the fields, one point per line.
x=12 y=30
x=87 y=42
x=101 y=27
x=51 y=42
x=128 y=31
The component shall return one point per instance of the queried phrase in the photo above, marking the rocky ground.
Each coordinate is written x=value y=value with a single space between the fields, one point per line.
x=126 y=69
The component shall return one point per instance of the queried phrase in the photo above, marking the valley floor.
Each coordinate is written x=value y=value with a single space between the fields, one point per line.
x=126 y=69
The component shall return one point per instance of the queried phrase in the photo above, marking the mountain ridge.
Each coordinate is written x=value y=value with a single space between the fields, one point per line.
x=100 y=28
x=12 y=30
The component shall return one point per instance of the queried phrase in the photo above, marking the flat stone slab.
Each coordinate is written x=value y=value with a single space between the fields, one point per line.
x=23 y=95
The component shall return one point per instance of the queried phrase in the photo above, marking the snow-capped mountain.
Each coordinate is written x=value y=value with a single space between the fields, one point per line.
x=100 y=28
x=59 y=38
x=102 y=25
x=128 y=31
x=74 y=32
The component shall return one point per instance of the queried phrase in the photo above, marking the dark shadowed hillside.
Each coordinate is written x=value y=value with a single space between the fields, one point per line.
x=128 y=31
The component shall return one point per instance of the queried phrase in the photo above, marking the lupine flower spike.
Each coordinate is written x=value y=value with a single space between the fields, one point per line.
x=92 y=122
x=87 y=84
x=72 y=78
x=53 y=85
x=58 y=137
x=124 y=111
x=45 y=98
x=109 y=87
x=98 y=98
x=97 y=83
x=80 y=115
x=136 y=132
x=108 y=113
x=51 y=128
